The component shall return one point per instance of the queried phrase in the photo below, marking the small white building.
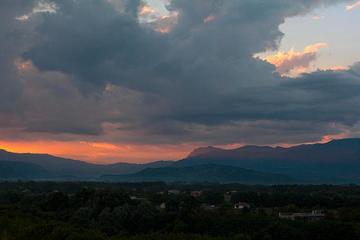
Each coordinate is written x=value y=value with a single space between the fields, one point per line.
x=174 y=192
x=135 y=198
x=228 y=196
x=162 y=205
x=209 y=207
x=241 y=205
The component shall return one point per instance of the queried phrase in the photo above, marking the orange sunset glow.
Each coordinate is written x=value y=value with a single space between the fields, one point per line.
x=107 y=153
x=99 y=152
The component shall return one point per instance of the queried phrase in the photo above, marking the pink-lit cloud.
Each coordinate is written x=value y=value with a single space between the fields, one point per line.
x=164 y=24
x=318 y=17
x=353 y=6
x=23 y=65
x=209 y=18
x=293 y=62
x=145 y=10
x=335 y=68
x=328 y=138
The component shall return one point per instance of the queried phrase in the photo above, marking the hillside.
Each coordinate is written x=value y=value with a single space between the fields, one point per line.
x=335 y=162
x=21 y=170
x=59 y=168
x=203 y=173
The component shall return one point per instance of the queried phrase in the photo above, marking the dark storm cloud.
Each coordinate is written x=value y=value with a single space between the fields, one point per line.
x=31 y=100
x=328 y=95
x=98 y=45
x=91 y=40
x=199 y=82
x=11 y=44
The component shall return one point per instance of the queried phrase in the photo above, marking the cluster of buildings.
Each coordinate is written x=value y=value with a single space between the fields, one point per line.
x=197 y=194
x=314 y=215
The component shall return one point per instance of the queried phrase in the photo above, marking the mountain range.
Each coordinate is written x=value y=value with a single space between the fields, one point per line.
x=335 y=162
x=203 y=173
x=62 y=168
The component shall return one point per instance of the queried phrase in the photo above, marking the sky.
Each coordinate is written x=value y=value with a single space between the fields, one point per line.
x=137 y=81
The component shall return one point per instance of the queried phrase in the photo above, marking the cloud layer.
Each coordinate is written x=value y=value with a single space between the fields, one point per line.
x=353 y=6
x=292 y=62
x=91 y=69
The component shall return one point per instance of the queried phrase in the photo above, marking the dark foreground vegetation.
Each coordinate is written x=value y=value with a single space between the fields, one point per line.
x=76 y=211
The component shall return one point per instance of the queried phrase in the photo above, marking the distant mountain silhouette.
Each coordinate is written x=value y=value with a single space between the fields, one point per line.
x=58 y=168
x=205 y=151
x=203 y=173
x=335 y=162
x=21 y=170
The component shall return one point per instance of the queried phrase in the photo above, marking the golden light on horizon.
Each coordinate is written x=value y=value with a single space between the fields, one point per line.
x=98 y=152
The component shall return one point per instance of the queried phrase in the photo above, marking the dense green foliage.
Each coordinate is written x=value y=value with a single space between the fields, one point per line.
x=75 y=211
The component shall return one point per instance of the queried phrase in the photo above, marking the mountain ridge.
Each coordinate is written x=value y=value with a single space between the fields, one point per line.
x=203 y=173
x=58 y=167
x=203 y=151
x=337 y=161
